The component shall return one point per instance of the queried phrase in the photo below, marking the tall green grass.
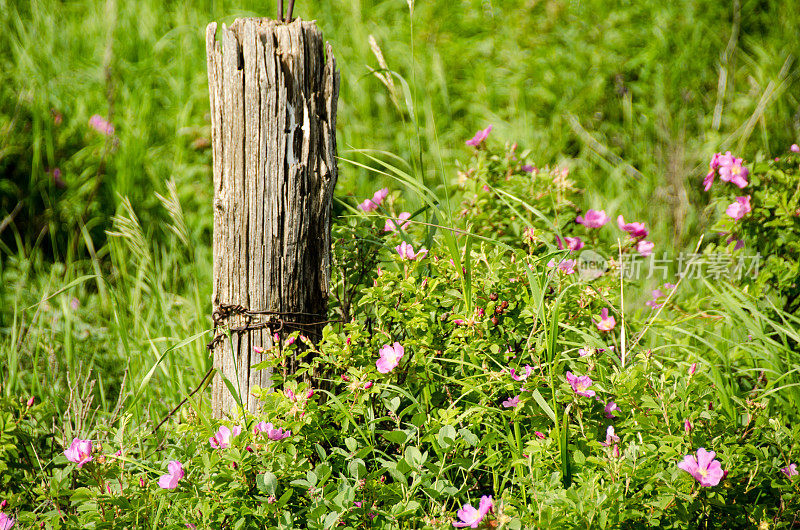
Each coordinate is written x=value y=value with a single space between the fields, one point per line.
x=633 y=98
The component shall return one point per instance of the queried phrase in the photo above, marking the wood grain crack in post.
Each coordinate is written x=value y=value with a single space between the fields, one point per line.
x=273 y=89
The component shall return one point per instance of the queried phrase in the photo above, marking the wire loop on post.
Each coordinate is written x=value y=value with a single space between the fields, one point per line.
x=275 y=323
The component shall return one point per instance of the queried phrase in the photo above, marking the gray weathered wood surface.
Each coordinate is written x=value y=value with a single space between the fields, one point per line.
x=273 y=89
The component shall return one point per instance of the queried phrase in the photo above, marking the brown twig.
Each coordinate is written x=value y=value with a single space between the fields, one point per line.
x=179 y=405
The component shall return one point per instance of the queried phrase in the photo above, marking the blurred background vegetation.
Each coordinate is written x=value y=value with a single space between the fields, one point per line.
x=106 y=240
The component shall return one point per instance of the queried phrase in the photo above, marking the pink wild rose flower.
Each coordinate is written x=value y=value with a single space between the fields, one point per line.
x=636 y=230
x=272 y=433
x=79 y=452
x=222 y=438
x=645 y=248
x=389 y=357
x=479 y=137
x=393 y=224
x=712 y=169
x=740 y=208
x=406 y=251
x=593 y=219
x=174 y=475
x=707 y=471
x=580 y=384
x=101 y=125
x=611 y=436
x=567 y=266
x=377 y=198
x=572 y=243
x=520 y=377
x=606 y=323
x=609 y=409
x=795 y=148
x=731 y=170
x=6 y=522
x=471 y=517
x=654 y=303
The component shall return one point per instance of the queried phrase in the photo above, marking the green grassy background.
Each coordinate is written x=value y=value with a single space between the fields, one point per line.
x=632 y=96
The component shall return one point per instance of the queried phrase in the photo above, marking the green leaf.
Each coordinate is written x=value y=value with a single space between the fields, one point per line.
x=414 y=457
x=232 y=390
x=311 y=477
x=566 y=470
x=398 y=437
x=469 y=436
x=446 y=436
x=357 y=469
x=393 y=404
x=543 y=404
x=330 y=520
x=267 y=483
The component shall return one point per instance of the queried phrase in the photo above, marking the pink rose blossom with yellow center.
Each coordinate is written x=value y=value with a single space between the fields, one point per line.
x=606 y=323
x=580 y=384
x=79 y=452
x=472 y=517
x=703 y=467
x=389 y=357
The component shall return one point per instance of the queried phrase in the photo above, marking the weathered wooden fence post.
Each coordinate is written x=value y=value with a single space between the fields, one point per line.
x=273 y=88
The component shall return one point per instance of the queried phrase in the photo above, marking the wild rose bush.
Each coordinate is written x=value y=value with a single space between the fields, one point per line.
x=482 y=380
x=762 y=215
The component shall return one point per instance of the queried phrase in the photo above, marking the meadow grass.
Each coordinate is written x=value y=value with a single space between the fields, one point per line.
x=632 y=98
